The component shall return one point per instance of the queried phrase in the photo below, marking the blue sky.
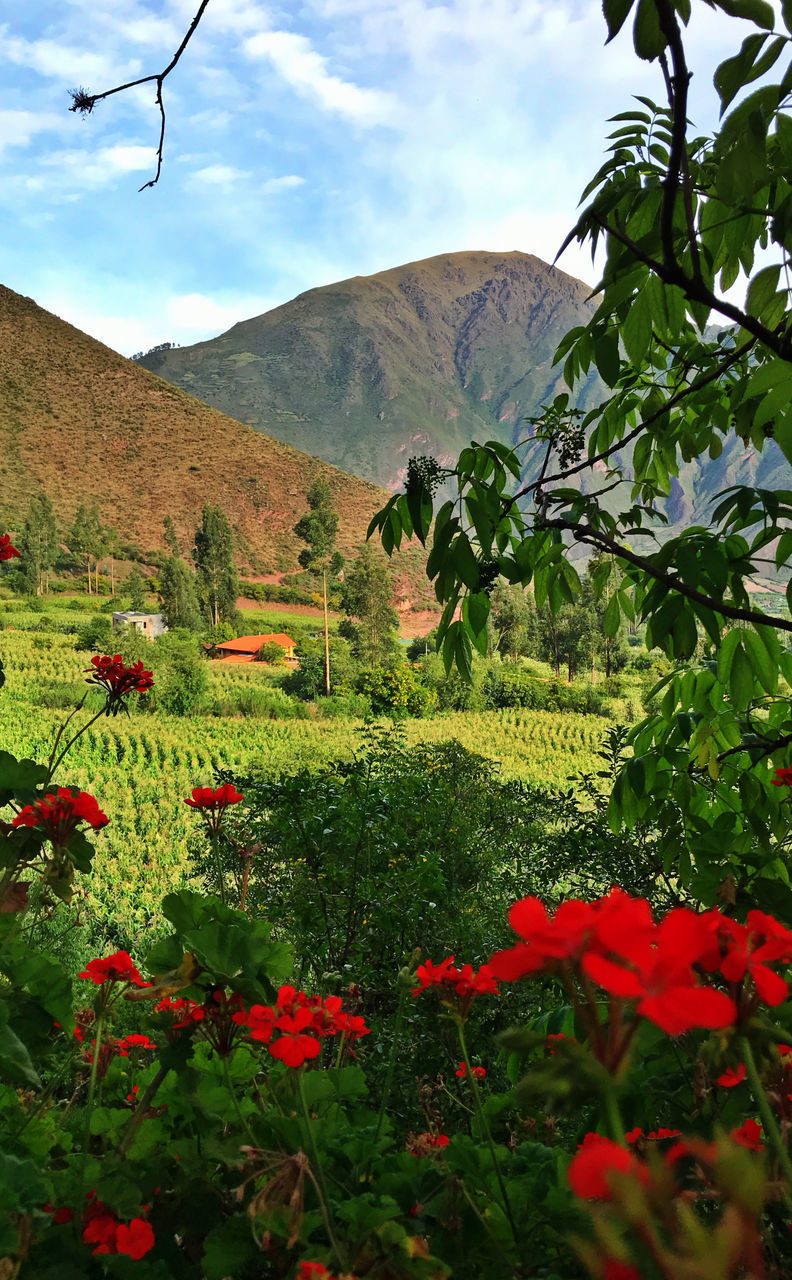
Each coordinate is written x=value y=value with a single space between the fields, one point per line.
x=305 y=144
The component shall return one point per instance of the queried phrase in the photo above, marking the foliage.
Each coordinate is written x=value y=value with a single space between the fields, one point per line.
x=271 y=652
x=216 y=577
x=182 y=681
x=38 y=544
x=680 y=216
x=371 y=622
x=180 y=606
x=396 y=691
x=135 y=588
x=95 y=634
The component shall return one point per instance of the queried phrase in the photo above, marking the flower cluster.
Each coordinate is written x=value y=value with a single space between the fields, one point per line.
x=478 y=1073
x=117 y=679
x=456 y=987
x=783 y=777
x=7 y=552
x=302 y=1022
x=213 y=804
x=58 y=816
x=102 y=1229
x=317 y=1271
x=425 y=1144
x=616 y=943
x=215 y=1019
x=111 y=969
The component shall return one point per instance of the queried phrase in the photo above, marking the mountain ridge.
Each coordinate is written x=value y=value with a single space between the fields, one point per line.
x=80 y=422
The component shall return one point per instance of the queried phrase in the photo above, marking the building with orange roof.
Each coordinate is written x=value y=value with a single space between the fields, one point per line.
x=245 y=648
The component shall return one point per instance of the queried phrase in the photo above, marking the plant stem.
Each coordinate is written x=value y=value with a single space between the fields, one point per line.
x=771 y=1128
x=397 y=1027
x=142 y=1107
x=486 y=1129
x=320 y=1184
x=235 y=1102
x=613 y=1117
x=218 y=866
x=52 y=768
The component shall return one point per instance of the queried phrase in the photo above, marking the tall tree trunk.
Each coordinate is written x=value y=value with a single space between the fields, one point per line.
x=327 y=633
x=112 y=576
x=607 y=657
x=88 y=562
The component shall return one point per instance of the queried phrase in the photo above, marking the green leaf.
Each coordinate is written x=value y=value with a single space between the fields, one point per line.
x=607 y=359
x=741 y=680
x=612 y=616
x=616 y=12
x=757 y=11
x=15 y=1062
x=648 y=37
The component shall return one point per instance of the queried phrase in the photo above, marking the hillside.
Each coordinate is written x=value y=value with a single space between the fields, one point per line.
x=419 y=359
x=80 y=422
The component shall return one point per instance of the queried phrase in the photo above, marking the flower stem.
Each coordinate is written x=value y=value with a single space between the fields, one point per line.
x=397 y=1027
x=613 y=1117
x=218 y=866
x=235 y=1103
x=319 y=1183
x=486 y=1130
x=771 y=1128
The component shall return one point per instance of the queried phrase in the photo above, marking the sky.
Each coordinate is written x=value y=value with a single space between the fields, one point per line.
x=305 y=143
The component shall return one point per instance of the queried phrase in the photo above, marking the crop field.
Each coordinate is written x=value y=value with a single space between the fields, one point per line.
x=142 y=767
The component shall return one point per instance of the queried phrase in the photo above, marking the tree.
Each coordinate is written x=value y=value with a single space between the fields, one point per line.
x=136 y=589
x=37 y=544
x=319 y=528
x=689 y=373
x=213 y=554
x=180 y=605
x=87 y=540
x=513 y=619
x=366 y=596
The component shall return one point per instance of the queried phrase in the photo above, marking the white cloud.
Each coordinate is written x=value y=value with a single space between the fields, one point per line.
x=273 y=185
x=217 y=175
x=196 y=314
x=69 y=63
x=306 y=71
x=91 y=169
x=18 y=128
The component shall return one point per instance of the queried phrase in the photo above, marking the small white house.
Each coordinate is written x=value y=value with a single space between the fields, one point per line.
x=148 y=624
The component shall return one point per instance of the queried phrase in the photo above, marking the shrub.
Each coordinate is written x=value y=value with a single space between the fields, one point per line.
x=95 y=634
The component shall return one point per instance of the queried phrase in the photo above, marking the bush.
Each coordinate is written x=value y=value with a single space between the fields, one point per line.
x=271 y=652
x=397 y=691
x=95 y=634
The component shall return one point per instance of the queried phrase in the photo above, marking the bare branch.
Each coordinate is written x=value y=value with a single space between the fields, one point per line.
x=85 y=102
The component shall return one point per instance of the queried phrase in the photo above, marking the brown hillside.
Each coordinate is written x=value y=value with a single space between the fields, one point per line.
x=80 y=422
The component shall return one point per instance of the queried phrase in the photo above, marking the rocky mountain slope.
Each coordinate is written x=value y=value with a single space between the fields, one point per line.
x=80 y=422
x=421 y=359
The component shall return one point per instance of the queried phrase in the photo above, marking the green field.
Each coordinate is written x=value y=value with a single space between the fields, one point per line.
x=141 y=768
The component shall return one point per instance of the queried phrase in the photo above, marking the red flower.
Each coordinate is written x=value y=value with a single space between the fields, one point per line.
x=134 y=1240
x=478 y=1072
x=748 y=1135
x=615 y=1269
x=591 y=1172
x=751 y=947
x=658 y=973
x=135 y=1042
x=732 y=1076
x=7 y=552
x=458 y=987
x=294 y=1046
x=423 y=1144
x=60 y=815
x=213 y=804
x=259 y=1020
x=118 y=679
x=313 y=1271
x=783 y=777
x=115 y=968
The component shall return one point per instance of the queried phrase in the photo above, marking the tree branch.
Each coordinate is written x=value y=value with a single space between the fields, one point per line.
x=85 y=102
x=676 y=399
x=594 y=537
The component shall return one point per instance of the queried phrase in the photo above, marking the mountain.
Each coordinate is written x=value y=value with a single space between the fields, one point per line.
x=79 y=422
x=419 y=359
x=422 y=359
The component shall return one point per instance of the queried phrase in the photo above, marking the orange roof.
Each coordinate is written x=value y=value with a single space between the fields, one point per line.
x=252 y=644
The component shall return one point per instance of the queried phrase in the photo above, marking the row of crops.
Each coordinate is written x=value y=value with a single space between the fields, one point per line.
x=142 y=767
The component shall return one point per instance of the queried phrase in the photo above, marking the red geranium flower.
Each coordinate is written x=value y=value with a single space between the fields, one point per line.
x=783 y=777
x=7 y=552
x=118 y=679
x=313 y=1271
x=136 y=1239
x=615 y=1269
x=748 y=1135
x=213 y=804
x=294 y=1046
x=732 y=1076
x=60 y=815
x=478 y=1072
x=115 y=968
x=751 y=947
x=591 y=1172
x=136 y=1041
x=423 y=1144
